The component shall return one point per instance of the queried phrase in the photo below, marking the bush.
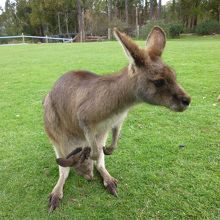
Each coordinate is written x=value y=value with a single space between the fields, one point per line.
x=175 y=30
x=145 y=29
x=208 y=27
x=171 y=29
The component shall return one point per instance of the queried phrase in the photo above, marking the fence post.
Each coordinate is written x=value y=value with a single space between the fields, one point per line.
x=109 y=33
x=23 y=38
x=138 y=31
x=46 y=39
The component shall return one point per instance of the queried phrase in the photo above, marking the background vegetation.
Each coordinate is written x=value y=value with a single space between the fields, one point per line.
x=157 y=179
x=94 y=17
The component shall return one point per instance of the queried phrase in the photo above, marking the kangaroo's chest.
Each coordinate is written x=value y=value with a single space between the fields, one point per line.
x=111 y=122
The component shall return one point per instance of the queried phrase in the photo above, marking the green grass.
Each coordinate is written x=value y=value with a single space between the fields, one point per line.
x=157 y=180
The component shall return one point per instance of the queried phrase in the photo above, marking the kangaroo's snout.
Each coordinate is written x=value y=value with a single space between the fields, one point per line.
x=185 y=101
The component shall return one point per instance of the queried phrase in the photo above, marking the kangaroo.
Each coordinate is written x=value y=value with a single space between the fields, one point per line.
x=79 y=160
x=82 y=107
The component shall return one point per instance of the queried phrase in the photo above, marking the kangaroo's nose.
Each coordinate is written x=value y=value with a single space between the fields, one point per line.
x=185 y=101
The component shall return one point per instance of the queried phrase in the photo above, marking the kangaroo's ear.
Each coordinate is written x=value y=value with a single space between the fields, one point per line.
x=134 y=53
x=156 y=42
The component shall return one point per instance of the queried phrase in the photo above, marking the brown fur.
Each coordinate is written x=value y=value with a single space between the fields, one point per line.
x=83 y=107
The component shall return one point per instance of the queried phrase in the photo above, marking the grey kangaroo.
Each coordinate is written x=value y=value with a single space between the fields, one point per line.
x=82 y=107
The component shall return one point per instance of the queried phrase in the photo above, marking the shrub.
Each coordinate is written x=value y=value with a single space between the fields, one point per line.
x=208 y=27
x=175 y=30
x=145 y=29
x=171 y=29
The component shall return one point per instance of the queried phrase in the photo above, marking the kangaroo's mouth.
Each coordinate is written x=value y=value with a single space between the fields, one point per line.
x=181 y=103
x=179 y=108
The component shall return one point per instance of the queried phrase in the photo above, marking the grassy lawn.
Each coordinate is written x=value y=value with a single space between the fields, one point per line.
x=157 y=179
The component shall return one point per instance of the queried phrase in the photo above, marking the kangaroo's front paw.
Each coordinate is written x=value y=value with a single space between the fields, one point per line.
x=108 y=150
x=85 y=154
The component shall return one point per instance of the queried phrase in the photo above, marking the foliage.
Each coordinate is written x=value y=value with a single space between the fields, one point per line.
x=145 y=29
x=93 y=24
x=172 y=29
x=157 y=180
x=175 y=29
x=191 y=13
x=208 y=27
x=37 y=17
x=40 y=17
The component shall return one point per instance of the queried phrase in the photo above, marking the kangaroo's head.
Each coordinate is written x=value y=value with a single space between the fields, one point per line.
x=155 y=82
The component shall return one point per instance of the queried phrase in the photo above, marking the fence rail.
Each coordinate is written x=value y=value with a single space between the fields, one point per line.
x=47 y=38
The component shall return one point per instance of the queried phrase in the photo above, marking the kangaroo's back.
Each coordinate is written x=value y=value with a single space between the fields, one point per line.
x=60 y=104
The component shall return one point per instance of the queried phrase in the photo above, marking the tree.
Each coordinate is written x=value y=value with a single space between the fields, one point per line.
x=174 y=8
x=151 y=9
x=159 y=9
x=41 y=17
x=80 y=20
x=126 y=12
x=10 y=22
x=109 y=17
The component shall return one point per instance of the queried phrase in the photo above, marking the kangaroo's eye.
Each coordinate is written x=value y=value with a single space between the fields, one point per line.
x=159 y=82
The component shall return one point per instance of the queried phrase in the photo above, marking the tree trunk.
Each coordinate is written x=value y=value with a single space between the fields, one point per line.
x=109 y=18
x=109 y=10
x=137 y=24
x=151 y=9
x=126 y=12
x=191 y=23
x=146 y=11
x=66 y=21
x=83 y=25
x=41 y=32
x=194 y=21
x=58 y=18
x=116 y=8
x=80 y=21
x=174 y=9
x=219 y=13
x=159 y=9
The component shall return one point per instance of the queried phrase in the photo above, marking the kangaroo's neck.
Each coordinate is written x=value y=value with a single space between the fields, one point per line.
x=120 y=90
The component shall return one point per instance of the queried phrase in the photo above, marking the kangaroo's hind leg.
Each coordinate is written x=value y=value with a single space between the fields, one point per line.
x=57 y=193
x=56 y=135
x=109 y=182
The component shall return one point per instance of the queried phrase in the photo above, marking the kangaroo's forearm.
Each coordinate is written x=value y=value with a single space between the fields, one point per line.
x=115 y=137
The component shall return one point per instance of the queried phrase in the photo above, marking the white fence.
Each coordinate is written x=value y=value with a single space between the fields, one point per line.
x=47 y=38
